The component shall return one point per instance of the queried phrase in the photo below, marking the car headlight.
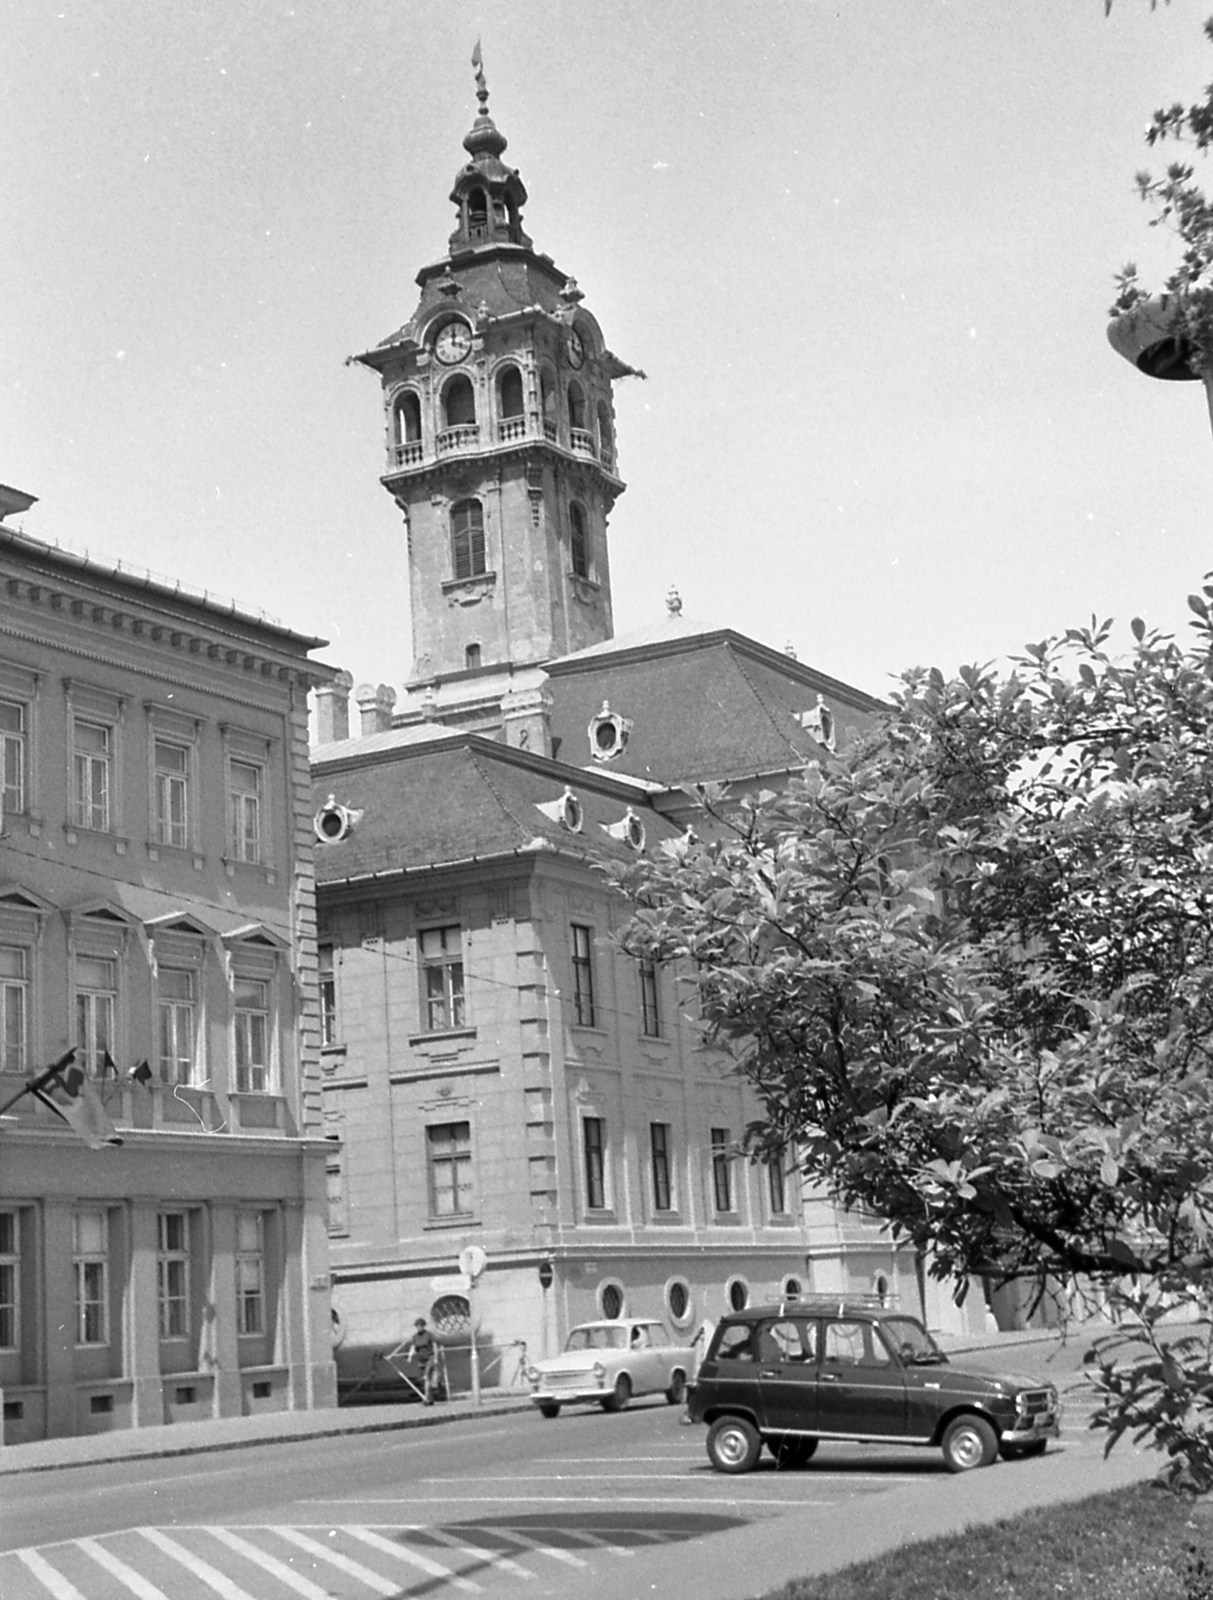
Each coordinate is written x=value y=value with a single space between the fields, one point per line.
x=599 y=1371
x=533 y=1374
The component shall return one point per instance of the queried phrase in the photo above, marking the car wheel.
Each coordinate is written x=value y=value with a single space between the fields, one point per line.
x=676 y=1394
x=549 y=1408
x=969 y=1442
x=791 y=1450
x=1021 y=1452
x=619 y=1395
x=733 y=1444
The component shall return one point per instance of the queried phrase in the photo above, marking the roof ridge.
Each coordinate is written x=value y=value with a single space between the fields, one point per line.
x=757 y=693
x=479 y=762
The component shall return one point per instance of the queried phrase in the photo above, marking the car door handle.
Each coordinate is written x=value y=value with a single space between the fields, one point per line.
x=829 y=1377
x=769 y=1372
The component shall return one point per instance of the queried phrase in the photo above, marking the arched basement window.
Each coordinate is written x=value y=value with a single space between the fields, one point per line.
x=467 y=539
x=459 y=402
x=579 y=544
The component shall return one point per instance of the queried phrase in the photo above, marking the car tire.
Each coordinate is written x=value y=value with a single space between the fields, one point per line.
x=734 y=1444
x=969 y=1442
x=549 y=1408
x=1021 y=1452
x=676 y=1394
x=619 y=1395
x=791 y=1450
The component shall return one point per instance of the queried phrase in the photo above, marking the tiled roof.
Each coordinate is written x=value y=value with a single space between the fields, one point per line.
x=704 y=704
x=463 y=798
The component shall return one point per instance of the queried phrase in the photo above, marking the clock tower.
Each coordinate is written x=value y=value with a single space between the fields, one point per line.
x=500 y=452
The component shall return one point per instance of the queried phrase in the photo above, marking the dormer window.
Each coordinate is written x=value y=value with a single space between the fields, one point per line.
x=608 y=733
x=467 y=539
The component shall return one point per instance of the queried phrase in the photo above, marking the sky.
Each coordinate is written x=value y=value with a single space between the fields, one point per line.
x=863 y=250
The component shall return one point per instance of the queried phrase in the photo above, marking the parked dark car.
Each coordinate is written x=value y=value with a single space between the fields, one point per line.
x=788 y=1376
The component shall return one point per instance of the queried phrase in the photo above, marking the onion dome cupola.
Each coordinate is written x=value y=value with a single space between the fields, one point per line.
x=488 y=195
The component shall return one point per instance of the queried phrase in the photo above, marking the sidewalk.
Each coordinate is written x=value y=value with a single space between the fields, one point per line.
x=236 y=1433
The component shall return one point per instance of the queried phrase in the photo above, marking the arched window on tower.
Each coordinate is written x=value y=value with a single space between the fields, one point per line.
x=459 y=430
x=406 y=427
x=606 y=436
x=579 y=542
x=467 y=539
x=511 y=423
x=581 y=439
x=478 y=214
x=547 y=393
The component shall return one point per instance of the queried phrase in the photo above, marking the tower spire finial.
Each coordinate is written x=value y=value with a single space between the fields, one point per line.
x=482 y=88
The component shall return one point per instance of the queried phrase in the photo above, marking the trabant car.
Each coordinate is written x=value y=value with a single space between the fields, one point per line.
x=790 y=1375
x=609 y=1362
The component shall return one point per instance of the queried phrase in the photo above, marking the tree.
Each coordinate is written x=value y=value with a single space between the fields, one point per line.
x=967 y=963
x=1175 y=328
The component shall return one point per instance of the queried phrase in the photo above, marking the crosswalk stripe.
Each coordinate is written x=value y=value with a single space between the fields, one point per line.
x=480 y=1552
x=584 y=1536
x=211 y=1576
x=271 y=1564
x=119 y=1569
x=352 y=1569
x=528 y=1543
x=415 y=1559
x=55 y=1582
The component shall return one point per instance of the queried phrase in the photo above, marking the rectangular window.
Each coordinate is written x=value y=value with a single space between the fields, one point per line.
x=659 y=1144
x=250 y=1272
x=583 y=976
x=334 y=1172
x=173 y=1269
x=442 y=978
x=252 y=1036
x=244 y=810
x=10 y=1276
x=778 y=1187
x=650 y=1021
x=12 y=756
x=177 y=1025
x=328 y=994
x=171 y=793
x=90 y=1260
x=92 y=761
x=14 y=1009
x=449 y=1150
x=96 y=1008
x=593 y=1131
x=722 y=1170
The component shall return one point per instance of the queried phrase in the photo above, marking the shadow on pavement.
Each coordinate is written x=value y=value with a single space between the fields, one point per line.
x=641 y=1528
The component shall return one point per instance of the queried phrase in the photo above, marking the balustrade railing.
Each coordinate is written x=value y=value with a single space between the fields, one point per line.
x=582 y=441
x=466 y=436
x=407 y=455
x=511 y=428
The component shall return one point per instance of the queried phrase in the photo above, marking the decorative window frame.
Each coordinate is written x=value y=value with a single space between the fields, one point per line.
x=10 y=1279
x=688 y=1315
x=87 y=703
x=244 y=747
x=583 y=999
x=736 y=1289
x=19 y=685
x=608 y=734
x=249 y=1263
x=84 y=1256
x=100 y=931
x=611 y=1286
x=447 y=961
x=23 y=920
x=456 y=1117
x=172 y=1290
x=166 y=725
x=177 y=943
x=607 y=1207
x=258 y=955
x=667 y=1154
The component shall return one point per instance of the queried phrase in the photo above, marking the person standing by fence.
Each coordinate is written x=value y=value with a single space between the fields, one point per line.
x=423 y=1349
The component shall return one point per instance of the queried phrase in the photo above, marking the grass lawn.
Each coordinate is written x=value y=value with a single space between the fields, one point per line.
x=1137 y=1544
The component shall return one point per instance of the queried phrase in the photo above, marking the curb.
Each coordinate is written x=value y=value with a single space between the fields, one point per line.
x=168 y=1450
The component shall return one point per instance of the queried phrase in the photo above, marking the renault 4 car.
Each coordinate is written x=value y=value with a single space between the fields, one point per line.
x=791 y=1375
x=609 y=1362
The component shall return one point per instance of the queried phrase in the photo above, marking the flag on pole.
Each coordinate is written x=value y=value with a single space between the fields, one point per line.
x=77 y=1103
x=108 y=1064
x=477 y=58
x=141 y=1072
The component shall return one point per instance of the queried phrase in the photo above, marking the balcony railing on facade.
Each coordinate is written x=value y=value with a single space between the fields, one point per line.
x=466 y=437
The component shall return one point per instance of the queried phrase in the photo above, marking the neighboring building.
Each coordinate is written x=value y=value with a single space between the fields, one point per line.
x=497 y=1072
x=156 y=906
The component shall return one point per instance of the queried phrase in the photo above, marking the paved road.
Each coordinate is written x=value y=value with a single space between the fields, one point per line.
x=513 y=1504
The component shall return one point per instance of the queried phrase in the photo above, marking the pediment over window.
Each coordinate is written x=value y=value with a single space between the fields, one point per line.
x=103 y=912
x=15 y=897
x=257 y=935
x=179 y=922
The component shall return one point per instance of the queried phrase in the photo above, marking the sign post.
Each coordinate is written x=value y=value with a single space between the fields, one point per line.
x=472 y=1262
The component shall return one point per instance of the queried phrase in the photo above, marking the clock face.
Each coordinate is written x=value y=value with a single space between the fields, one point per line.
x=453 y=343
x=576 y=348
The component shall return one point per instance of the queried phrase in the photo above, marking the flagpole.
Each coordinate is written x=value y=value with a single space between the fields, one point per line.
x=43 y=1078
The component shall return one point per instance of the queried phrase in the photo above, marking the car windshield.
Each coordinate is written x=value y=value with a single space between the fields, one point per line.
x=913 y=1344
x=597 y=1339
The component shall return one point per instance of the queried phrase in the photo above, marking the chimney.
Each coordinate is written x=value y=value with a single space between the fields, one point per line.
x=333 y=709
x=375 y=706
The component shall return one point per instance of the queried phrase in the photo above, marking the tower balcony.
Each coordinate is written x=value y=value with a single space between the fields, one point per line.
x=408 y=455
x=582 y=442
x=465 y=436
x=511 y=428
